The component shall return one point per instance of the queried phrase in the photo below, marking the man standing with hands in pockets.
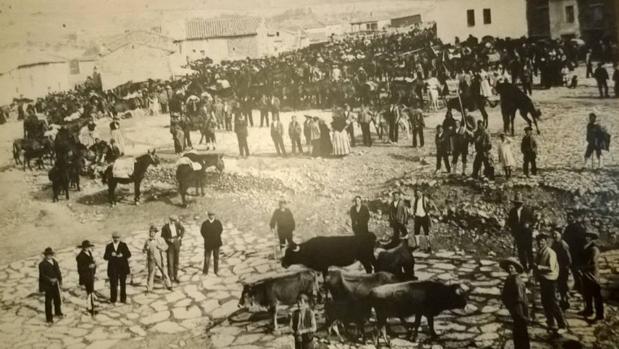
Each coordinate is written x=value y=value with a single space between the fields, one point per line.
x=117 y=255
x=211 y=232
x=173 y=232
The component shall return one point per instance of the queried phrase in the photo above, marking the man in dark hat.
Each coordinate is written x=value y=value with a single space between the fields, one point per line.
x=547 y=273
x=520 y=221
x=514 y=297
x=590 y=278
x=283 y=220
x=398 y=216
x=211 y=232
x=173 y=233
x=359 y=217
x=50 y=280
x=117 y=255
x=528 y=147
x=154 y=248
x=86 y=269
x=564 y=258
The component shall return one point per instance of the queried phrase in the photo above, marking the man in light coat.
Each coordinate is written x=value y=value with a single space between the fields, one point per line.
x=154 y=248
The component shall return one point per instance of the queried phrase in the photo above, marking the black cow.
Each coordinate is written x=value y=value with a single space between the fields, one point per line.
x=419 y=298
x=398 y=260
x=322 y=252
x=285 y=289
x=350 y=298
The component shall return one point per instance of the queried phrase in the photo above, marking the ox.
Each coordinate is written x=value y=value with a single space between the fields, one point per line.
x=322 y=252
x=278 y=290
x=398 y=260
x=419 y=298
x=350 y=298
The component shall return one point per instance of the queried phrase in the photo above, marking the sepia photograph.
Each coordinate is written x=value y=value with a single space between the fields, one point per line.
x=309 y=174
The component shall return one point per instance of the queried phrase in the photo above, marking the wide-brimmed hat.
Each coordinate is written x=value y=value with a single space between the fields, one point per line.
x=593 y=234
x=153 y=228
x=517 y=198
x=511 y=261
x=49 y=252
x=115 y=234
x=528 y=128
x=86 y=244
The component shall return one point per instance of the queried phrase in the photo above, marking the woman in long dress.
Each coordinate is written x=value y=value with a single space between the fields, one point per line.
x=325 y=139
x=339 y=139
x=117 y=135
x=506 y=155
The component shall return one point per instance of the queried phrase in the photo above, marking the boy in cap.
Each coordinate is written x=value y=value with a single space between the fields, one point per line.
x=173 y=232
x=547 y=273
x=514 y=297
x=50 y=280
x=117 y=255
x=590 y=282
x=303 y=323
x=86 y=269
x=154 y=248
x=211 y=232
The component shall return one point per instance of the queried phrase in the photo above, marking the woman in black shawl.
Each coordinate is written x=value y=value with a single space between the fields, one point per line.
x=325 y=140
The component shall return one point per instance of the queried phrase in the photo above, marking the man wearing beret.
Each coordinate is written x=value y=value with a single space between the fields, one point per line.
x=514 y=297
x=50 y=280
x=173 y=232
x=590 y=278
x=211 y=232
x=117 y=255
x=547 y=273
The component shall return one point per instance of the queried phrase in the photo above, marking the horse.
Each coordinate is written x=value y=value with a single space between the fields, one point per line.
x=32 y=149
x=513 y=99
x=139 y=170
x=186 y=175
x=60 y=178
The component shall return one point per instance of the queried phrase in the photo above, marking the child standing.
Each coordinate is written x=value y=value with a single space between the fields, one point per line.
x=506 y=155
x=303 y=324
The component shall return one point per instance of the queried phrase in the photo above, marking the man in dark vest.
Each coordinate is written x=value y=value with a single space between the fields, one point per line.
x=173 y=232
x=211 y=232
x=117 y=255
x=521 y=220
x=50 y=280
x=398 y=216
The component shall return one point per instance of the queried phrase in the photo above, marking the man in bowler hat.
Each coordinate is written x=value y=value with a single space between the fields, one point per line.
x=211 y=232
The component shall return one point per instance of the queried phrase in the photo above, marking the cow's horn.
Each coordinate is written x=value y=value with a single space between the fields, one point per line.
x=296 y=248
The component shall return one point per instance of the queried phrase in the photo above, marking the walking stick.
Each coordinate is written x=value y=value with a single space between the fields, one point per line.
x=276 y=245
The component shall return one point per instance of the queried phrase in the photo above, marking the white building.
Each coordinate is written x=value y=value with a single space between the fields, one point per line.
x=460 y=18
x=221 y=38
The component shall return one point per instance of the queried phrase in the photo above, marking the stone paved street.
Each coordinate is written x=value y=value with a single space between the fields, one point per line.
x=205 y=302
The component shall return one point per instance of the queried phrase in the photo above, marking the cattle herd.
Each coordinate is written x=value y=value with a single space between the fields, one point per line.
x=389 y=289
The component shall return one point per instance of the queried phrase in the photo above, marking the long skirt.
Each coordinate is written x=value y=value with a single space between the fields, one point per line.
x=341 y=143
x=117 y=136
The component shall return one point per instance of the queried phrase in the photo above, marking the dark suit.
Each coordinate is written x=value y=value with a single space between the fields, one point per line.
x=174 y=248
x=284 y=221
x=211 y=232
x=86 y=273
x=514 y=296
x=528 y=148
x=50 y=280
x=522 y=231
x=117 y=269
x=359 y=220
x=398 y=217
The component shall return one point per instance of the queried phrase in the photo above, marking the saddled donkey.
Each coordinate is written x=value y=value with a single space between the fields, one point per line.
x=513 y=99
x=140 y=166
x=187 y=175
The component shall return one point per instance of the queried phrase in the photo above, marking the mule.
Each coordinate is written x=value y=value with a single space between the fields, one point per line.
x=139 y=170
x=186 y=175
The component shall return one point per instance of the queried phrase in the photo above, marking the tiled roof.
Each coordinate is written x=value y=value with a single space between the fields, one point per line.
x=139 y=37
x=201 y=28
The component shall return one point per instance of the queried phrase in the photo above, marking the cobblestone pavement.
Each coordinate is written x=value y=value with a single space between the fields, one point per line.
x=201 y=302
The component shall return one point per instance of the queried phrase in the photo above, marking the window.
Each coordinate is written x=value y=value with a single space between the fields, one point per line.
x=569 y=14
x=470 y=18
x=487 y=16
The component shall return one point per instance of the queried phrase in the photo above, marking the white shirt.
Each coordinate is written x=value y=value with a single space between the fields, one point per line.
x=518 y=213
x=172 y=229
x=115 y=244
x=419 y=211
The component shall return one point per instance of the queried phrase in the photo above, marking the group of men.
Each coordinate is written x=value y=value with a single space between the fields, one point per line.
x=558 y=255
x=162 y=254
